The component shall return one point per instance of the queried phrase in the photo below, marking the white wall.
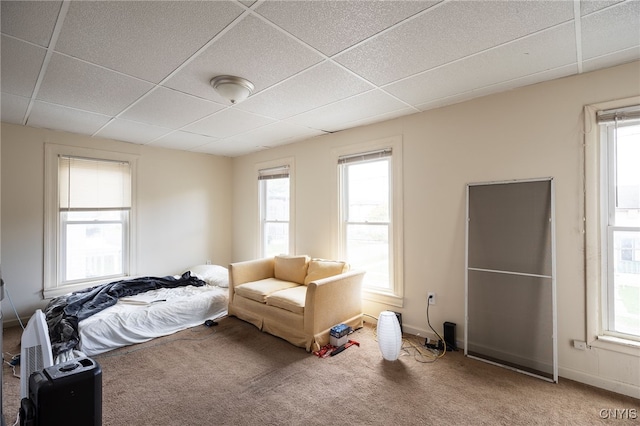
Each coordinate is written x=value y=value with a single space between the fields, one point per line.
x=533 y=132
x=0 y=200
x=183 y=210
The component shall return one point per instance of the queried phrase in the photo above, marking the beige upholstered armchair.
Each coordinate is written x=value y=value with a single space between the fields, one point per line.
x=296 y=298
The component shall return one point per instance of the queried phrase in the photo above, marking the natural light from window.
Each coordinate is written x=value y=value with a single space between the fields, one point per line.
x=94 y=244
x=275 y=206
x=276 y=222
x=367 y=220
x=624 y=315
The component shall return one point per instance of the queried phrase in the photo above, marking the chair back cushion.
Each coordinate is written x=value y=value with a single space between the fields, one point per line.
x=291 y=268
x=320 y=268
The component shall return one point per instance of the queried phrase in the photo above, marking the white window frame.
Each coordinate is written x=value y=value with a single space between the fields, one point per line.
x=394 y=297
x=595 y=214
x=52 y=287
x=273 y=164
x=63 y=227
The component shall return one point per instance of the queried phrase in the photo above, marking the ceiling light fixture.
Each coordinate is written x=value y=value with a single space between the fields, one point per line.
x=235 y=89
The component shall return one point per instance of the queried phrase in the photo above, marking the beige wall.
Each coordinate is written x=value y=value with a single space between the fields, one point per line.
x=183 y=210
x=533 y=132
x=526 y=133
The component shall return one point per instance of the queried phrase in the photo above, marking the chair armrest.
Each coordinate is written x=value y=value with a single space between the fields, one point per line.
x=250 y=270
x=332 y=300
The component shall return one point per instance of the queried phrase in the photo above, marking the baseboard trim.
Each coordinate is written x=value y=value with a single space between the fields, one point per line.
x=599 y=382
x=563 y=372
x=6 y=323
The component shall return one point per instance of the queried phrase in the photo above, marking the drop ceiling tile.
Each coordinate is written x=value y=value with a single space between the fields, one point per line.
x=228 y=148
x=170 y=108
x=146 y=39
x=530 y=55
x=332 y=26
x=252 y=49
x=277 y=133
x=57 y=117
x=383 y=117
x=131 y=131
x=590 y=6
x=528 y=80
x=335 y=117
x=311 y=133
x=32 y=21
x=289 y=74
x=599 y=37
x=311 y=89
x=182 y=140
x=21 y=63
x=228 y=122
x=448 y=32
x=500 y=87
x=13 y=108
x=609 y=60
x=81 y=85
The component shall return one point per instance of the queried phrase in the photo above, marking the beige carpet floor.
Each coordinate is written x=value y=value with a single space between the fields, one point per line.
x=233 y=374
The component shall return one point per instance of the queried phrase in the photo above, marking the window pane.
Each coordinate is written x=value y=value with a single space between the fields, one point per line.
x=102 y=216
x=628 y=176
x=277 y=199
x=626 y=286
x=93 y=250
x=368 y=249
x=276 y=238
x=368 y=191
x=274 y=211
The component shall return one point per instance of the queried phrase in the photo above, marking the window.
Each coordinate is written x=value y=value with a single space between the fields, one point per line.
x=370 y=218
x=275 y=210
x=89 y=219
x=620 y=182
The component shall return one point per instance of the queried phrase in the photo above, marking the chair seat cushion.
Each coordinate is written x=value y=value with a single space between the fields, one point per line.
x=291 y=299
x=259 y=290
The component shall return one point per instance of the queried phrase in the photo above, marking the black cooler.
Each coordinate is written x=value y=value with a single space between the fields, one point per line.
x=67 y=394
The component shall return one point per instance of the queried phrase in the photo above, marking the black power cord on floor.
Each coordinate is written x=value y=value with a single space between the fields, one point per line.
x=442 y=345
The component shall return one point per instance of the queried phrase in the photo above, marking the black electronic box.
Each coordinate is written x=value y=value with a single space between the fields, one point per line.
x=67 y=394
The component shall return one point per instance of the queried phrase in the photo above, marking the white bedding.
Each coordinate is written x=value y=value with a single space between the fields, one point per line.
x=152 y=314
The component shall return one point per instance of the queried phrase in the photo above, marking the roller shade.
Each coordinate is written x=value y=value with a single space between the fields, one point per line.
x=619 y=115
x=364 y=156
x=279 y=172
x=89 y=184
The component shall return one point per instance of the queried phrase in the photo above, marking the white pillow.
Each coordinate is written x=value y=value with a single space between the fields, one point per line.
x=211 y=274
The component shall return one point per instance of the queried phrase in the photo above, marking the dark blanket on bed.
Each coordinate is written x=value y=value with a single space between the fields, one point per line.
x=65 y=312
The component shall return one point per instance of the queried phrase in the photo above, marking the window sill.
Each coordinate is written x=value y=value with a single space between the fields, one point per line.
x=617 y=344
x=381 y=297
x=51 y=292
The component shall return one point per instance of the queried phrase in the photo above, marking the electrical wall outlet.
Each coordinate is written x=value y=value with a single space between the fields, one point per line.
x=580 y=344
x=208 y=262
x=431 y=297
